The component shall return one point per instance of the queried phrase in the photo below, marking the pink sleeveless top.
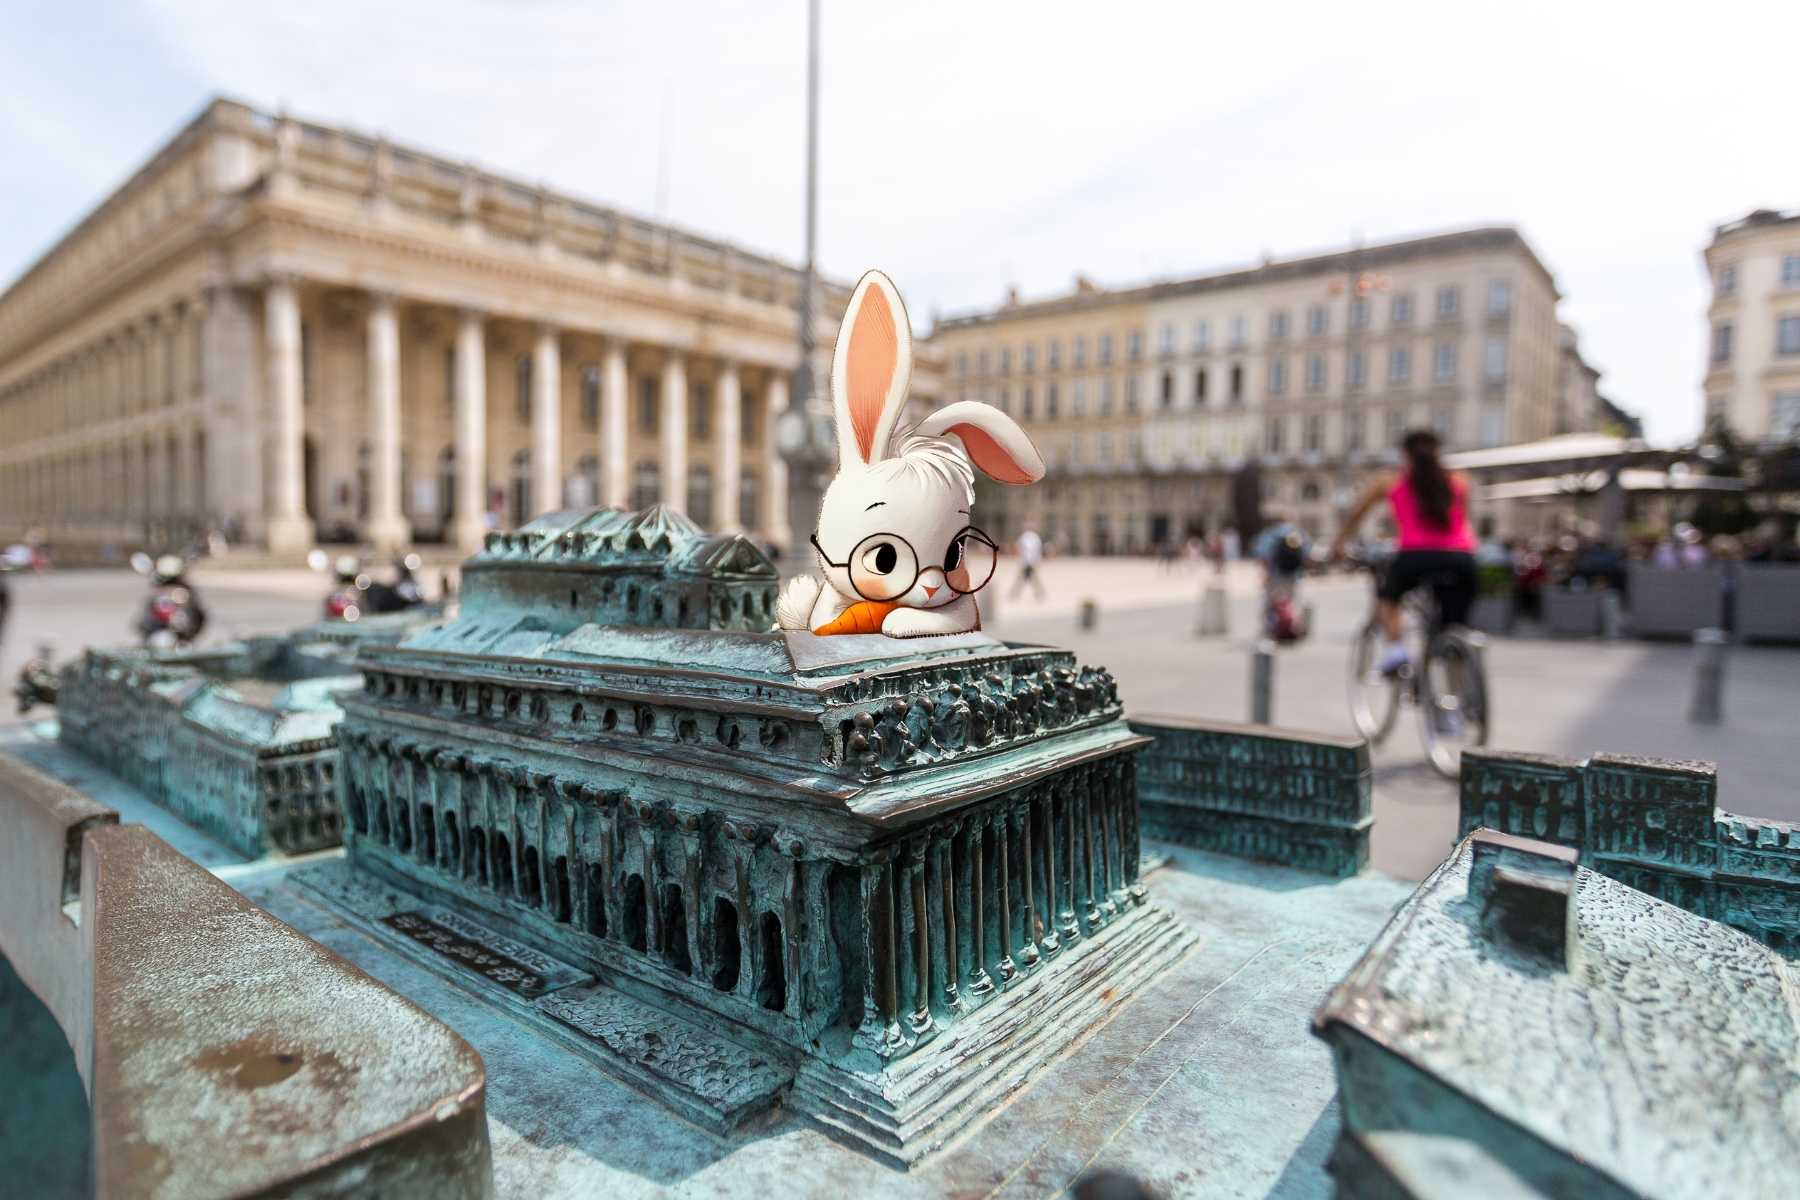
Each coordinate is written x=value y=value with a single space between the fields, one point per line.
x=1417 y=533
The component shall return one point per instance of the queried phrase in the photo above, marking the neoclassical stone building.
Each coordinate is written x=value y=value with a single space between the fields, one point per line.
x=293 y=332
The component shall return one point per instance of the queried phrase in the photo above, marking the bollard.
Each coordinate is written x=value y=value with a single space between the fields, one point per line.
x=1212 y=611
x=1262 y=681
x=1612 y=619
x=1709 y=676
x=1090 y=614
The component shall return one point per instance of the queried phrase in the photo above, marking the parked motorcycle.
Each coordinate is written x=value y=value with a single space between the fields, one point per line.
x=359 y=594
x=173 y=615
x=37 y=683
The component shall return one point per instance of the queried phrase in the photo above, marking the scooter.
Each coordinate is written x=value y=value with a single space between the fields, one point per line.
x=359 y=594
x=173 y=615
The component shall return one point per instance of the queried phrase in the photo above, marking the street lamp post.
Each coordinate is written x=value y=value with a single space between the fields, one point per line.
x=803 y=432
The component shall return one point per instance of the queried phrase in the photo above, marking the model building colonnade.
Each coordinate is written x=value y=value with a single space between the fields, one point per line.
x=694 y=433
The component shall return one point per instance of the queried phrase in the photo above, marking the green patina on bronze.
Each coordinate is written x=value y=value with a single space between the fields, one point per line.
x=885 y=864
x=1280 y=796
x=1651 y=823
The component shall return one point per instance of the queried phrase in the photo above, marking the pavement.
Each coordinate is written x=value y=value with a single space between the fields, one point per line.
x=1570 y=697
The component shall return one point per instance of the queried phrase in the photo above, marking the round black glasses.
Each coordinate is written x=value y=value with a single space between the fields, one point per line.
x=884 y=566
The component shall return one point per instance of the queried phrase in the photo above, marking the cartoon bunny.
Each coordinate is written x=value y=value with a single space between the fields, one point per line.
x=896 y=543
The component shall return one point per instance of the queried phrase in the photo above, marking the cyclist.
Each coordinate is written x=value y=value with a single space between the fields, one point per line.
x=1430 y=507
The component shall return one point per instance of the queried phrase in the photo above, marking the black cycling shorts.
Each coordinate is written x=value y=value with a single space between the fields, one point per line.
x=1450 y=572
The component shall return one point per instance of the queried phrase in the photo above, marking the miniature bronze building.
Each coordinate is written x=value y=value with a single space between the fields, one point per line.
x=903 y=872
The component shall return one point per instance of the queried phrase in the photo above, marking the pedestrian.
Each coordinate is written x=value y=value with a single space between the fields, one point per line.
x=1031 y=553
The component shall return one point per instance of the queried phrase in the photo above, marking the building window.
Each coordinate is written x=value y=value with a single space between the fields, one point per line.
x=522 y=387
x=1499 y=299
x=1199 y=388
x=1443 y=361
x=1315 y=435
x=1028 y=359
x=1493 y=425
x=1134 y=446
x=1106 y=349
x=1443 y=423
x=1401 y=312
x=1025 y=404
x=1050 y=407
x=1396 y=427
x=1053 y=356
x=962 y=364
x=1353 y=431
x=1449 y=302
x=1315 y=319
x=1202 y=337
x=747 y=499
x=1315 y=373
x=1278 y=325
x=699 y=497
x=1494 y=364
x=590 y=396
x=1237 y=333
x=1166 y=398
x=649 y=406
x=1278 y=377
x=1359 y=313
x=1077 y=449
x=1005 y=401
x=981 y=363
x=1359 y=370
x=1006 y=362
x=1237 y=383
x=521 y=488
x=1078 y=398
x=584 y=485
x=1784 y=417
x=1134 y=345
x=1080 y=352
x=1131 y=394
x=1399 y=364
x=1105 y=447
x=1728 y=279
x=1165 y=343
x=1790 y=271
x=700 y=412
x=1272 y=437
x=646 y=485
x=1787 y=335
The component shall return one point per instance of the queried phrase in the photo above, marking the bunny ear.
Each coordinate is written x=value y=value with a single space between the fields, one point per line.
x=994 y=440
x=870 y=369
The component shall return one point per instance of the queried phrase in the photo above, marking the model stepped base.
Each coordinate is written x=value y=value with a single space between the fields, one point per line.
x=922 y=1101
x=899 y=1114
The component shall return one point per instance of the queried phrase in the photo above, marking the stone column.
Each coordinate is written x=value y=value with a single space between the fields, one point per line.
x=774 y=514
x=728 y=450
x=290 y=530
x=615 y=470
x=387 y=526
x=674 y=430
x=470 y=522
x=546 y=422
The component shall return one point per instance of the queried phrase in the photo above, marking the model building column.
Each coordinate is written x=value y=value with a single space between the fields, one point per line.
x=388 y=527
x=728 y=456
x=615 y=479
x=546 y=422
x=471 y=432
x=674 y=430
x=775 y=525
x=290 y=530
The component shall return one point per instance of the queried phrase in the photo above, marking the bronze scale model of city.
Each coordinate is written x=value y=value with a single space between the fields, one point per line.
x=832 y=842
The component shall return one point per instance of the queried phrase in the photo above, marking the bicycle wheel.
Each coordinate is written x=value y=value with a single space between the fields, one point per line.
x=1454 y=712
x=1374 y=697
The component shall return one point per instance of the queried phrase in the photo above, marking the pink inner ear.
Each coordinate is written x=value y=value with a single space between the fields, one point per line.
x=990 y=455
x=869 y=366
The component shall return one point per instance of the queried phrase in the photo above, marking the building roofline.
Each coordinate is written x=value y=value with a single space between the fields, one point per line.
x=1488 y=238
x=1761 y=218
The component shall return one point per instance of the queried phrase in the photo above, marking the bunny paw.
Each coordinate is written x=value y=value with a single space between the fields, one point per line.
x=794 y=609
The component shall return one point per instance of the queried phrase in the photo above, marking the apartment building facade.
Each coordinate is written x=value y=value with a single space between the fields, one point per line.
x=1753 y=337
x=1309 y=369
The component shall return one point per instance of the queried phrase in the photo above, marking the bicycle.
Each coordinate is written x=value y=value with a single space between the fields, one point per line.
x=1446 y=683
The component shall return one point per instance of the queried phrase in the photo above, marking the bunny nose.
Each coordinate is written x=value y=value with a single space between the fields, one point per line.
x=930 y=591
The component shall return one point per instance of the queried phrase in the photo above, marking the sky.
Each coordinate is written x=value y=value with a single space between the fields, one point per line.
x=971 y=147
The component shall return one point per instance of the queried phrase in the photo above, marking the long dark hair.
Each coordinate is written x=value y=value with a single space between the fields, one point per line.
x=1430 y=482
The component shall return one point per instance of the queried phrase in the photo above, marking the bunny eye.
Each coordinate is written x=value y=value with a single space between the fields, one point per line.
x=953 y=557
x=881 y=559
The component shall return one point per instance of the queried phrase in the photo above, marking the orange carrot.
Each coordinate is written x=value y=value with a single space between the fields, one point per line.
x=865 y=616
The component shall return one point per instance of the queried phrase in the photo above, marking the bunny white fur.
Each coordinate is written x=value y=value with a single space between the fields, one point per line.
x=915 y=483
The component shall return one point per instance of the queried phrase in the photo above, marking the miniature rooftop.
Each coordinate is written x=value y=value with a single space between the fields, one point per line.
x=1661 y=1056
